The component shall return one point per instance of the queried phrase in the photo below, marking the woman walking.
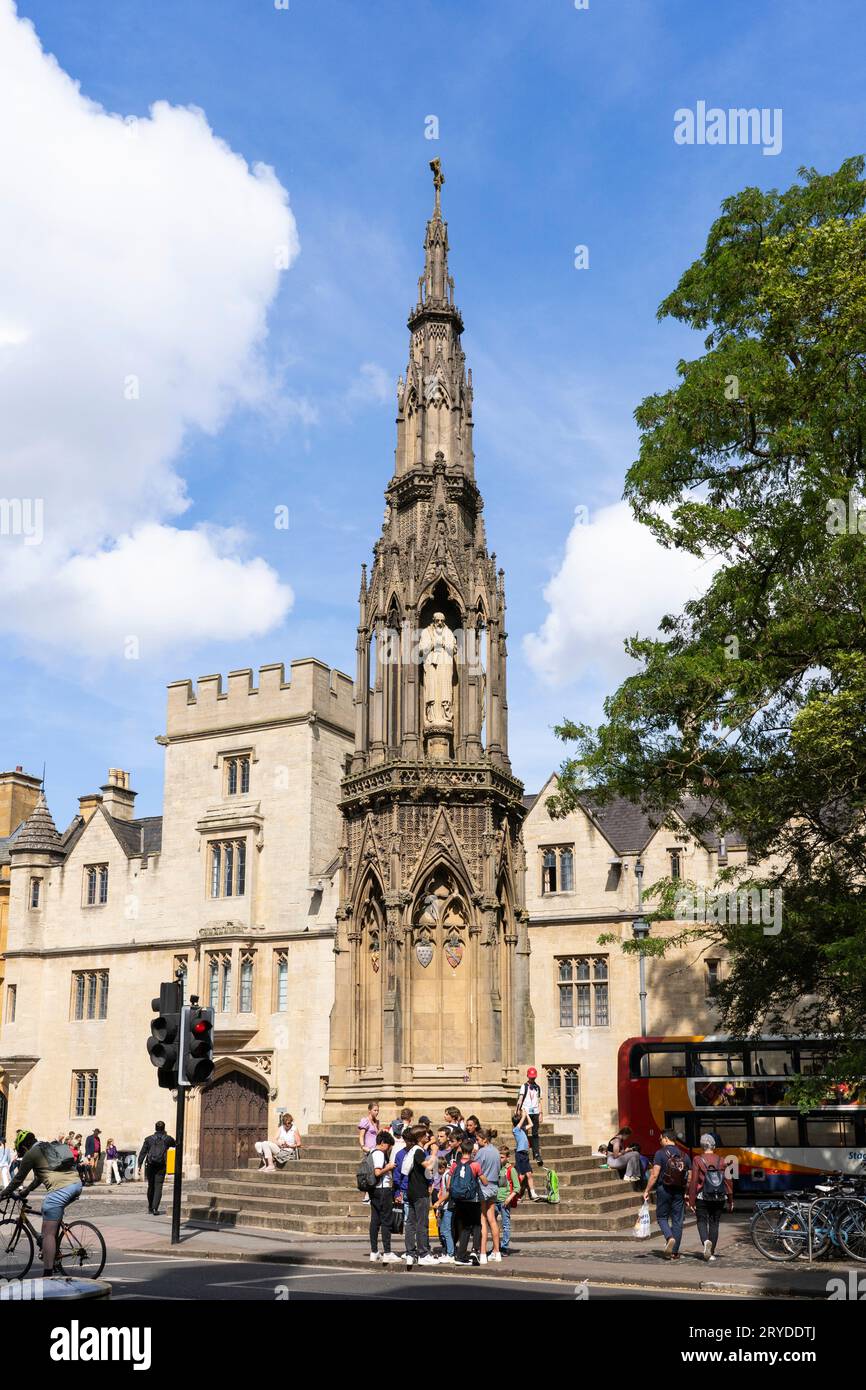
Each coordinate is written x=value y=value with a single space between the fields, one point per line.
x=710 y=1189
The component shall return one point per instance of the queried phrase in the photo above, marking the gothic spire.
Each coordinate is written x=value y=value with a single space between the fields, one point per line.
x=434 y=402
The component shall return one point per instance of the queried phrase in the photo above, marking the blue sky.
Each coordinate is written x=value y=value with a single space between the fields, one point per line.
x=555 y=129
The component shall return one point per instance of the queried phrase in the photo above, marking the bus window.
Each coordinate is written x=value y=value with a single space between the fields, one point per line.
x=663 y=1064
x=777 y=1131
x=729 y=1133
x=772 y=1061
x=812 y=1062
x=829 y=1134
x=718 y=1064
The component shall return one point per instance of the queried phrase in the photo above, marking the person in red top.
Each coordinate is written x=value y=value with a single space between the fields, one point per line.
x=710 y=1189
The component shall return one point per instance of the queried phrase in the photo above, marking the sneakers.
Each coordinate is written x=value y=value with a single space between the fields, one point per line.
x=446 y=1260
x=374 y=1255
x=428 y=1260
x=708 y=1249
x=474 y=1260
x=483 y=1258
x=467 y=1261
x=390 y=1259
x=495 y=1258
x=670 y=1246
x=712 y=1259
x=410 y=1260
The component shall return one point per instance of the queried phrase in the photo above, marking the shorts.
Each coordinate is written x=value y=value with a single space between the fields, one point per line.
x=489 y=1190
x=522 y=1163
x=55 y=1203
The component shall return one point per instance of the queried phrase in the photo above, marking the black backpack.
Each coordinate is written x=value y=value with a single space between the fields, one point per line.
x=366 y=1174
x=157 y=1149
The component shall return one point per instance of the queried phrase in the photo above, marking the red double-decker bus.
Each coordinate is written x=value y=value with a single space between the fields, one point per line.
x=737 y=1090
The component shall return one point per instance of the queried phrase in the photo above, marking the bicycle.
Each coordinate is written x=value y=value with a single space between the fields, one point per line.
x=81 y=1252
x=788 y=1227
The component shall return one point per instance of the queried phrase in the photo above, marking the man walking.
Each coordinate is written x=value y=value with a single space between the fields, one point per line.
x=670 y=1177
x=529 y=1102
x=154 y=1155
x=92 y=1150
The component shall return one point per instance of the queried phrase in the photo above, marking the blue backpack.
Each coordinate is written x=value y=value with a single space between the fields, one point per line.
x=465 y=1187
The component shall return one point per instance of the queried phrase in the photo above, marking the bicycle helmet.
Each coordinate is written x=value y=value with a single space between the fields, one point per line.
x=22 y=1137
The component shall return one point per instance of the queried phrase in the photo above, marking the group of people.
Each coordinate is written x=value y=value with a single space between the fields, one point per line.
x=455 y=1183
x=702 y=1186
x=86 y=1153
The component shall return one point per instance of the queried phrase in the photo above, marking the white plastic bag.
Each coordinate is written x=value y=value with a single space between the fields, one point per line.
x=641 y=1227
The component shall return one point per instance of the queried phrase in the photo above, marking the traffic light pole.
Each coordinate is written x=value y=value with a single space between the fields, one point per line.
x=178 y=1166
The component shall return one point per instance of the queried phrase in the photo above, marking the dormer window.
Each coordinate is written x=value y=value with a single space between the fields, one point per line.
x=557 y=869
x=95 y=885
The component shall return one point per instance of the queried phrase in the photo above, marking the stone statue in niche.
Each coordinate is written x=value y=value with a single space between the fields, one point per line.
x=438 y=649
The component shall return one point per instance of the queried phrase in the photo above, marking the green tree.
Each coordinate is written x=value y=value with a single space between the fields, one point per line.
x=752 y=700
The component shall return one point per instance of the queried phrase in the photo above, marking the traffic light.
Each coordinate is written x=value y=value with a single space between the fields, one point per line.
x=163 y=1045
x=197 y=1046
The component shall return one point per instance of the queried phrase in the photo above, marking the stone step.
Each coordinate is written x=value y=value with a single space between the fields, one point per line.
x=346 y=1164
x=218 y=1214
x=306 y=1187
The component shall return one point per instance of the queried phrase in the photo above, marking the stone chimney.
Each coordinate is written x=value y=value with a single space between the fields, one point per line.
x=19 y=793
x=88 y=804
x=117 y=797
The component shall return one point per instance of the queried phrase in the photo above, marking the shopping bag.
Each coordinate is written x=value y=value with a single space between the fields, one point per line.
x=432 y=1224
x=641 y=1227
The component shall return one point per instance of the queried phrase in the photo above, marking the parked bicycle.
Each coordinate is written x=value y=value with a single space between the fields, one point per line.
x=833 y=1221
x=81 y=1250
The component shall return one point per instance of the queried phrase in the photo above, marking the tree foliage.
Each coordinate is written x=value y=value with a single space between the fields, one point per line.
x=753 y=699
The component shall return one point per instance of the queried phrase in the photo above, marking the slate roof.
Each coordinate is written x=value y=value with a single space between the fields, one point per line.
x=138 y=837
x=5 y=842
x=629 y=827
x=39 y=833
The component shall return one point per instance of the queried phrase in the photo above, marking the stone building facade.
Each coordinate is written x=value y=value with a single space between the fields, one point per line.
x=581 y=883
x=19 y=793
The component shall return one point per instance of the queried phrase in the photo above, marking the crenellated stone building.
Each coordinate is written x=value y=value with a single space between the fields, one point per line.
x=350 y=876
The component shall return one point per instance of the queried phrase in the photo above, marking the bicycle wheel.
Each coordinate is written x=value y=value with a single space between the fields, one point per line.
x=852 y=1230
x=16 y=1250
x=770 y=1234
x=80 y=1251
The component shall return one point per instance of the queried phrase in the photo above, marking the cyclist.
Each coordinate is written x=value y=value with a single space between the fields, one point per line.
x=54 y=1165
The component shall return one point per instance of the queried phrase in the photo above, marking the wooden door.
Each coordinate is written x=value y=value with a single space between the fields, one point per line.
x=234 y=1114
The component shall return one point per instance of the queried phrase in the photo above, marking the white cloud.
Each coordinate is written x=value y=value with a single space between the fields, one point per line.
x=138 y=260
x=614 y=580
x=373 y=384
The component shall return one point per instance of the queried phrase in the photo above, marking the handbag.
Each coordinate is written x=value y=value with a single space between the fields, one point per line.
x=397 y=1220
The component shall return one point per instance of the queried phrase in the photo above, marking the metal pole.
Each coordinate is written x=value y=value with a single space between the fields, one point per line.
x=642 y=993
x=640 y=930
x=178 y=1166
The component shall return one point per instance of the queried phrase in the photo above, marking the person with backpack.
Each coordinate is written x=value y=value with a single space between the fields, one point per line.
x=154 y=1155
x=669 y=1177
x=710 y=1192
x=465 y=1201
x=487 y=1157
x=417 y=1167
x=379 y=1169
x=54 y=1166
x=529 y=1104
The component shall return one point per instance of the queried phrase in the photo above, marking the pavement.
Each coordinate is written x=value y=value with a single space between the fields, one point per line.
x=616 y=1262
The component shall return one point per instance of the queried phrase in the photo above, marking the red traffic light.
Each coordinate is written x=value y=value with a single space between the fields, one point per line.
x=201 y=1028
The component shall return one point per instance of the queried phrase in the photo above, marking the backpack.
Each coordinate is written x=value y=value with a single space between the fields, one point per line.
x=713 y=1189
x=366 y=1174
x=676 y=1171
x=158 y=1149
x=59 y=1158
x=465 y=1187
x=408 y=1160
x=552 y=1185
